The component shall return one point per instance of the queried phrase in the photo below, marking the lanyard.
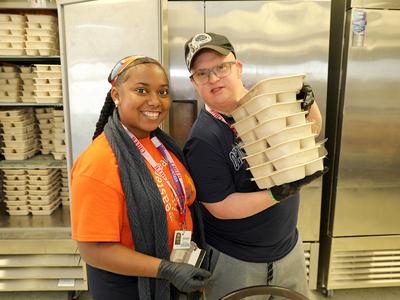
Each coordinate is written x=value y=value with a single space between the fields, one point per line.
x=179 y=192
x=219 y=117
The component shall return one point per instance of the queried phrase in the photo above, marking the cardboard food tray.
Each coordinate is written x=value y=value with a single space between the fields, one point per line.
x=46 y=211
x=59 y=155
x=40 y=172
x=15 y=193
x=48 y=99
x=11 y=203
x=20 y=156
x=43 y=204
x=10 y=183
x=14 y=112
x=12 y=172
x=11 y=188
x=18 y=212
x=46 y=198
x=44 y=192
x=44 y=180
x=17 y=198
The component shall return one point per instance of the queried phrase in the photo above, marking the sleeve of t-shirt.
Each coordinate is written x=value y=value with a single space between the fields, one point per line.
x=209 y=170
x=97 y=211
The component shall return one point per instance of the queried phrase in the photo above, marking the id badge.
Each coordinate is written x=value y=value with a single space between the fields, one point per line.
x=182 y=239
x=192 y=255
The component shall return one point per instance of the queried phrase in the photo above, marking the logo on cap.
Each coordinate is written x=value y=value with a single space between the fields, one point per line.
x=195 y=45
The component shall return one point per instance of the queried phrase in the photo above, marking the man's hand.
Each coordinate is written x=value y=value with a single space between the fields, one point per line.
x=184 y=277
x=307 y=95
x=284 y=191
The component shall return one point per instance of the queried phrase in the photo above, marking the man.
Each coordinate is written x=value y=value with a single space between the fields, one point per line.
x=252 y=232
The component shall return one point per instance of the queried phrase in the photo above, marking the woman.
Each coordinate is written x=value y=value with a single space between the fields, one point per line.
x=131 y=193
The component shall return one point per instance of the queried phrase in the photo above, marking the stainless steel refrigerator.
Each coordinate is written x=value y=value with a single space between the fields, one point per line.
x=360 y=236
x=270 y=38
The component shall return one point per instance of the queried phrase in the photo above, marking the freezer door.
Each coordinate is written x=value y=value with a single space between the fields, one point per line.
x=94 y=36
x=185 y=18
x=368 y=189
x=281 y=38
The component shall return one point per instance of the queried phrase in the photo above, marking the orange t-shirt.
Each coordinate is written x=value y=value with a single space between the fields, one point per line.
x=98 y=206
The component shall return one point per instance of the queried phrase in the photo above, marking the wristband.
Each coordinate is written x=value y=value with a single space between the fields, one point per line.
x=274 y=201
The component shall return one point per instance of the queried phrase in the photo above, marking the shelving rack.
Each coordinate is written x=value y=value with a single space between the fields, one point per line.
x=37 y=253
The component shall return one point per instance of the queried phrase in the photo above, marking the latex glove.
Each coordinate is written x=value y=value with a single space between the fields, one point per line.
x=184 y=277
x=284 y=191
x=307 y=95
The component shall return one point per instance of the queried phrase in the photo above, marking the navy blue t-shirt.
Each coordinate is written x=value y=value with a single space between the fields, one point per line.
x=216 y=165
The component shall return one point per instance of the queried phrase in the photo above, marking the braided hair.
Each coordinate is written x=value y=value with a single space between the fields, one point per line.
x=105 y=113
x=109 y=105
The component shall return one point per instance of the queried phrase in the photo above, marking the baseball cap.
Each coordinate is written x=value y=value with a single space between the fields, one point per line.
x=207 y=40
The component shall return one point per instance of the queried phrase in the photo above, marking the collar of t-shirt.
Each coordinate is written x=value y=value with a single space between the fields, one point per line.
x=226 y=119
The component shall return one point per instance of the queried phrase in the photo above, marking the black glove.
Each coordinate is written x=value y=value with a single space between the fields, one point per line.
x=284 y=191
x=307 y=95
x=184 y=277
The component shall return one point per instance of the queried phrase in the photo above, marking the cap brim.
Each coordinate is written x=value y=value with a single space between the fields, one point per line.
x=218 y=49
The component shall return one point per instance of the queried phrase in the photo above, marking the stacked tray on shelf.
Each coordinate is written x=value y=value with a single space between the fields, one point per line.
x=41 y=84
x=278 y=141
x=44 y=115
x=10 y=84
x=32 y=191
x=64 y=194
x=28 y=34
x=19 y=133
x=12 y=34
x=44 y=190
x=52 y=131
x=41 y=35
x=15 y=191
x=60 y=148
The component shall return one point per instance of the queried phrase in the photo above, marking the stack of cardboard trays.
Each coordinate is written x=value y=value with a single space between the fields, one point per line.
x=32 y=191
x=12 y=34
x=19 y=133
x=10 y=84
x=278 y=141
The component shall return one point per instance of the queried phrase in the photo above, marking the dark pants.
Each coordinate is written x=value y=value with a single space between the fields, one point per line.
x=104 y=285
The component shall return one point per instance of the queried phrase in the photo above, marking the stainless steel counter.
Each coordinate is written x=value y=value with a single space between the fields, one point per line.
x=55 y=226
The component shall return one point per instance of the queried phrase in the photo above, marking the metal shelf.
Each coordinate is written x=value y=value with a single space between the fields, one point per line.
x=25 y=4
x=31 y=59
x=29 y=104
x=54 y=226
x=39 y=162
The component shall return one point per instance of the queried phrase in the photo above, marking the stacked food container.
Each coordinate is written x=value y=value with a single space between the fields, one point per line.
x=278 y=141
x=44 y=115
x=32 y=191
x=64 y=194
x=41 y=35
x=60 y=148
x=41 y=83
x=12 y=29
x=10 y=84
x=28 y=34
x=19 y=133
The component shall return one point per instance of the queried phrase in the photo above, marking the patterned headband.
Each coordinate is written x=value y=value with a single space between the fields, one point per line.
x=120 y=67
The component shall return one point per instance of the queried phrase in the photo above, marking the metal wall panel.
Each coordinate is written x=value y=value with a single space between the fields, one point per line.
x=94 y=36
x=185 y=18
x=369 y=167
x=280 y=38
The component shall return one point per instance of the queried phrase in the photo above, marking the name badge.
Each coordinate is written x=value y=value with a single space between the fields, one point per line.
x=193 y=255
x=182 y=239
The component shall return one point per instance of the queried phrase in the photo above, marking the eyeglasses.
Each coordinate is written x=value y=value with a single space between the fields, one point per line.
x=222 y=70
x=120 y=67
